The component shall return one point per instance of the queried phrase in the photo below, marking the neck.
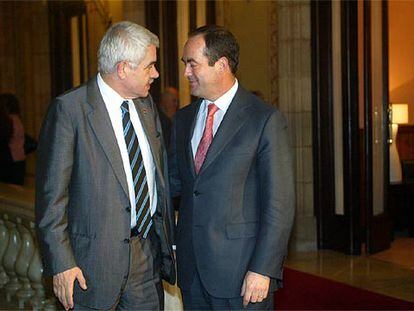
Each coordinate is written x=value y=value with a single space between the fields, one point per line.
x=113 y=81
x=223 y=87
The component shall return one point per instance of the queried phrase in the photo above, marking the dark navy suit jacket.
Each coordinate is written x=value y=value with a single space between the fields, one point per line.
x=236 y=214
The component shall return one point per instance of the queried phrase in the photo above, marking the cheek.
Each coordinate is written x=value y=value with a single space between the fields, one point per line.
x=198 y=75
x=142 y=80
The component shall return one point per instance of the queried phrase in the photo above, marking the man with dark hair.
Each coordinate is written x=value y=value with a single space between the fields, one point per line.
x=231 y=163
x=103 y=212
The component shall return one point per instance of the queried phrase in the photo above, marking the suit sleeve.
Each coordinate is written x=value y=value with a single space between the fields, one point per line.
x=174 y=173
x=54 y=169
x=277 y=195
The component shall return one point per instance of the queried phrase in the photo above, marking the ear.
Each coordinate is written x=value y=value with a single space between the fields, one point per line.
x=223 y=63
x=121 y=69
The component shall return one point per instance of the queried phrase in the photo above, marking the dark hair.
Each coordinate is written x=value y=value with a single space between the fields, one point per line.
x=219 y=43
x=10 y=102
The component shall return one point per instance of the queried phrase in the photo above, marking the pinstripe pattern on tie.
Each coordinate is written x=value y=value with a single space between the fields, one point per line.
x=139 y=177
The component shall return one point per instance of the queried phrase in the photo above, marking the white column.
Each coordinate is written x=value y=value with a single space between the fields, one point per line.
x=294 y=100
x=182 y=35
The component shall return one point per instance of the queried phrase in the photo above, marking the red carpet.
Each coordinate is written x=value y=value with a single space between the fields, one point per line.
x=303 y=291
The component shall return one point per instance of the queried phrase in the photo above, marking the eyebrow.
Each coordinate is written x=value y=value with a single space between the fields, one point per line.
x=188 y=60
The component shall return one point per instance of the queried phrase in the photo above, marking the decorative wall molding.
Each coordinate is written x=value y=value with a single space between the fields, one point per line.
x=274 y=76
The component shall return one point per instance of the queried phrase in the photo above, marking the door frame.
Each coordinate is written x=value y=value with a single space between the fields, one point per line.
x=340 y=232
x=355 y=229
x=60 y=13
x=378 y=228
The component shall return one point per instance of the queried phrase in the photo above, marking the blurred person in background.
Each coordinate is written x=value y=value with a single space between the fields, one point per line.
x=5 y=134
x=13 y=156
x=167 y=107
x=169 y=101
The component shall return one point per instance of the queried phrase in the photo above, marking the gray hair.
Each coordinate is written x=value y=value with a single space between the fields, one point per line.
x=124 y=41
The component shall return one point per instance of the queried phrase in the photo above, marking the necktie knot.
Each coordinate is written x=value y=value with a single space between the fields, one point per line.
x=212 y=109
x=124 y=106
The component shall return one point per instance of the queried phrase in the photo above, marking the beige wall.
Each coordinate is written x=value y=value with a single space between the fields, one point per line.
x=249 y=22
x=401 y=53
x=115 y=8
x=134 y=11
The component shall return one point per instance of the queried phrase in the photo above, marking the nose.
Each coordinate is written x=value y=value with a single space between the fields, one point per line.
x=154 y=73
x=187 y=70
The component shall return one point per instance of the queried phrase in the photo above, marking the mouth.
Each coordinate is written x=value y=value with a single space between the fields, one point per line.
x=193 y=83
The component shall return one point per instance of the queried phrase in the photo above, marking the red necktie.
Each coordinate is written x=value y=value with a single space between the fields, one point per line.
x=206 y=139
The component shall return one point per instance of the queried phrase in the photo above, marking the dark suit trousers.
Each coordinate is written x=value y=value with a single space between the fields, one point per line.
x=142 y=287
x=197 y=298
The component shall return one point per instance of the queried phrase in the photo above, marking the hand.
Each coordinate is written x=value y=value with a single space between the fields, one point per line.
x=63 y=285
x=255 y=287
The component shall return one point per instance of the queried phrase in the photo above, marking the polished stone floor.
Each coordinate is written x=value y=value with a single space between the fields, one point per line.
x=401 y=253
x=389 y=273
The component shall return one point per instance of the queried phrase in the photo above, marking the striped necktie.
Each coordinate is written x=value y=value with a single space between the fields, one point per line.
x=139 y=177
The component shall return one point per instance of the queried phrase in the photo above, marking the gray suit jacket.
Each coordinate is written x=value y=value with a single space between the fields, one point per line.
x=82 y=202
x=236 y=214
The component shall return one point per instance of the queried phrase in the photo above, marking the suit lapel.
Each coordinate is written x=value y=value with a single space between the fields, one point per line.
x=102 y=127
x=188 y=134
x=235 y=117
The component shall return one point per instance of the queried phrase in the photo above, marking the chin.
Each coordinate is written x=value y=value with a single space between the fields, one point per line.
x=195 y=93
x=143 y=95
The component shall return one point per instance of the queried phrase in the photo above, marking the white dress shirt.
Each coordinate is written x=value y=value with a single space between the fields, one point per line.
x=223 y=104
x=113 y=102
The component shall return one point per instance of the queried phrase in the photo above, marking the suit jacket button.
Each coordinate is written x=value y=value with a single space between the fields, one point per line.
x=196 y=193
x=128 y=209
x=126 y=241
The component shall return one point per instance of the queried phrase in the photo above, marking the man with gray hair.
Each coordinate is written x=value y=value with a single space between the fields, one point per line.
x=103 y=211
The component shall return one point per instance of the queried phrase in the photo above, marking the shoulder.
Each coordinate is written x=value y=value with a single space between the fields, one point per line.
x=75 y=95
x=251 y=101
x=189 y=110
x=261 y=111
x=70 y=101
